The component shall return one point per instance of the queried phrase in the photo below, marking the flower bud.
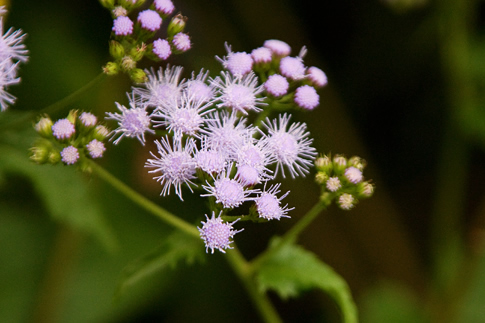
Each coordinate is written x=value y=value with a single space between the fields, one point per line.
x=44 y=127
x=365 y=189
x=357 y=162
x=324 y=164
x=339 y=164
x=138 y=75
x=100 y=133
x=128 y=63
x=137 y=52
x=176 y=25
x=39 y=154
x=72 y=116
x=107 y=3
x=116 y=50
x=111 y=68
x=321 y=178
x=54 y=157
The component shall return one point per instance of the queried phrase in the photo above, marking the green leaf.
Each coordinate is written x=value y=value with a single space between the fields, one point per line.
x=66 y=194
x=177 y=247
x=293 y=269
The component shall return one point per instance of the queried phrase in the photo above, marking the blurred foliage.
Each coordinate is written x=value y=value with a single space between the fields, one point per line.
x=395 y=98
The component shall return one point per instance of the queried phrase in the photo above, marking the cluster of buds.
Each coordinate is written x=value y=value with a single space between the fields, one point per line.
x=342 y=179
x=131 y=40
x=70 y=140
x=287 y=82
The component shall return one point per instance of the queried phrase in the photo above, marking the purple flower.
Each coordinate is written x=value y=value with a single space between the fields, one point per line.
x=122 y=26
x=276 y=85
x=164 y=6
x=268 y=204
x=333 y=184
x=278 y=47
x=346 y=201
x=69 y=155
x=133 y=122
x=176 y=165
x=291 y=147
x=239 y=93
x=161 y=48
x=217 y=234
x=210 y=161
x=63 y=129
x=306 y=97
x=317 y=76
x=181 y=41
x=239 y=63
x=353 y=175
x=292 y=68
x=262 y=55
x=88 y=119
x=198 y=89
x=150 y=20
x=95 y=148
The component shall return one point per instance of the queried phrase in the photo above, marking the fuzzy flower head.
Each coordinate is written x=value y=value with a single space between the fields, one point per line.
x=176 y=165
x=346 y=201
x=161 y=48
x=182 y=116
x=278 y=47
x=317 y=76
x=63 y=129
x=268 y=204
x=251 y=160
x=165 y=7
x=211 y=161
x=69 y=155
x=132 y=123
x=229 y=192
x=95 y=148
x=150 y=20
x=239 y=93
x=7 y=72
x=122 y=26
x=88 y=119
x=239 y=63
x=306 y=97
x=353 y=175
x=276 y=85
x=181 y=41
x=161 y=87
x=333 y=184
x=262 y=55
x=292 y=67
x=197 y=88
x=217 y=234
x=11 y=45
x=290 y=146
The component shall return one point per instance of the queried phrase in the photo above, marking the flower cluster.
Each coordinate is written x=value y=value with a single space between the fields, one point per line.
x=342 y=179
x=135 y=37
x=69 y=140
x=12 y=52
x=207 y=140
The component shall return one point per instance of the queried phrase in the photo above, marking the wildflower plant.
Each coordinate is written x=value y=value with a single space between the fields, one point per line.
x=230 y=139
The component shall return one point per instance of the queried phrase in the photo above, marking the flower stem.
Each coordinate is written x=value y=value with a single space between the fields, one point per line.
x=260 y=300
x=145 y=203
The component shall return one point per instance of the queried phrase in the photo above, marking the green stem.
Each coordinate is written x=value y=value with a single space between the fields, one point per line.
x=145 y=203
x=292 y=234
x=260 y=300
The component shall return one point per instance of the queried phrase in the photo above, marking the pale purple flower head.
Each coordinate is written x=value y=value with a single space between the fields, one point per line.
x=217 y=234
x=346 y=201
x=95 y=148
x=239 y=93
x=251 y=160
x=210 y=161
x=292 y=67
x=306 y=97
x=198 y=89
x=291 y=147
x=276 y=85
x=122 y=26
x=278 y=47
x=181 y=41
x=161 y=48
x=239 y=63
x=333 y=184
x=353 y=175
x=164 y=6
x=11 y=45
x=225 y=130
x=88 y=119
x=63 y=129
x=176 y=165
x=262 y=55
x=7 y=78
x=227 y=191
x=317 y=76
x=162 y=87
x=150 y=20
x=69 y=155
x=132 y=123
x=268 y=204
x=183 y=116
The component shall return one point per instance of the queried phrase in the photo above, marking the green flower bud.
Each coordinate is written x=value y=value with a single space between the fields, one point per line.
x=107 y=3
x=339 y=164
x=111 y=68
x=39 y=154
x=44 y=127
x=357 y=162
x=138 y=52
x=54 y=157
x=365 y=189
x=176 y=25
x=324 y=164
x=138 y=75
x=321 y=178
x=100 y=133
x=116 y=50
x=72 y=116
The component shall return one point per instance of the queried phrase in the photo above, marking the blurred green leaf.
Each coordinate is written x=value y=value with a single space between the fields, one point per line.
x=66 y=194
x=293 y=269
x=177 y=247
x=389 y=302
x=472 y=309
